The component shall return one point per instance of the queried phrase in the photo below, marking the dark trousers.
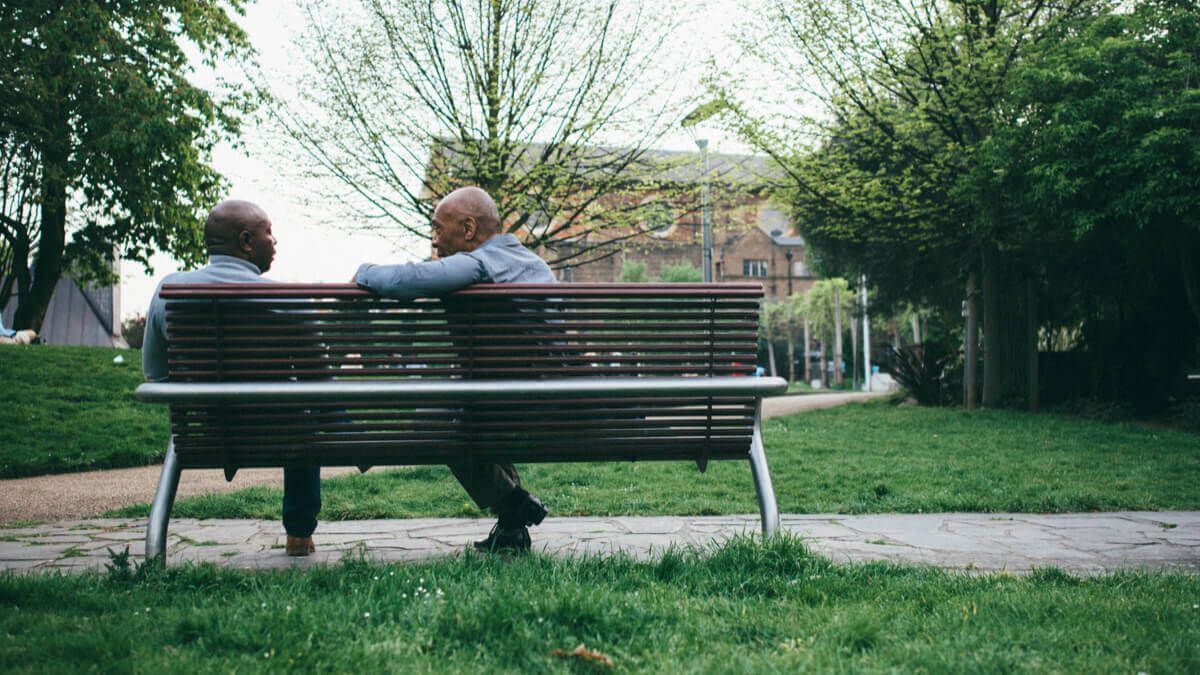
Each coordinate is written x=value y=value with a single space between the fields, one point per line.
x=487 y=483
x=301 y=500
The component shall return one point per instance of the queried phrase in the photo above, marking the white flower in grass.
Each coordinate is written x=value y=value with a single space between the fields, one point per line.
x=366 y=615
x=289 y=608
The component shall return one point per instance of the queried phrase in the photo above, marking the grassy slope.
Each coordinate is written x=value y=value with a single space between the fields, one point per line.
x=72 y=409
x=745 y=608
x=858 y=458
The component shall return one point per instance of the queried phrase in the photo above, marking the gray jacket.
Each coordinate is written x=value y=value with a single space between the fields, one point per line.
x=221 y=269
x=501 y=259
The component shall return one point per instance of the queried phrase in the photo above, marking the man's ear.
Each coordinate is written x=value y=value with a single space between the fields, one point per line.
x=470 y=227
x=245 y=241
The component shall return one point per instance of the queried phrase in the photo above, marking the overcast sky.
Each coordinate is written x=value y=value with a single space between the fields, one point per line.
x=317 y=244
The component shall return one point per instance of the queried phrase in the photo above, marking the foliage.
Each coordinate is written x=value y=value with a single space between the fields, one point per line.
x=405 y=100
x=910 y=90
x=684 y=272
x=633 y=272
x=876 y=458
x=1099 y=162
x=921 y=370
x=133 y=330
x=103 y=135
x=822 y=302
x=746 y=606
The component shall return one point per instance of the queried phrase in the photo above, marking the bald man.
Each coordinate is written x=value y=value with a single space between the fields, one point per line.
x=241 y=246
x=470 y=250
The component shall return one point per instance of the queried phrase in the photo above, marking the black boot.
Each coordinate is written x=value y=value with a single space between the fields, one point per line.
x=517 y=512
x=505 y=540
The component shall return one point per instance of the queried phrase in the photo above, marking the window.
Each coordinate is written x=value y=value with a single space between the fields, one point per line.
x=754 y=268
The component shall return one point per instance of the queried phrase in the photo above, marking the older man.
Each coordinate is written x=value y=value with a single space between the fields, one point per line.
x=241 y=247
x=471 y=249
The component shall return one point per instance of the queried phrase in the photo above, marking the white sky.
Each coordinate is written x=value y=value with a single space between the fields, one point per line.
x=312 y=246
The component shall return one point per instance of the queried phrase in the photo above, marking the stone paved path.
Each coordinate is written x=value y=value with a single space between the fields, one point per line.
x=1081 y=543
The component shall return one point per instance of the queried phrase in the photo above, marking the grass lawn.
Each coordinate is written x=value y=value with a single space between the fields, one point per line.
x=858 y=458
x=744 y=608
x=72 y=409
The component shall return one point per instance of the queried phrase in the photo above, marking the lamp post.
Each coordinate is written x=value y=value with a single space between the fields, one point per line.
x=788 y=255
x=705 y=212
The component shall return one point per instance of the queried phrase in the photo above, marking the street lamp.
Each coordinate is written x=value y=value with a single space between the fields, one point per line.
x=705 y=212
x=788 y=255
x=703 y=112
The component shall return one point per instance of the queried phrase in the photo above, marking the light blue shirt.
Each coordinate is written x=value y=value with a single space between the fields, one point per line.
x=501 y=259
x=221 y=269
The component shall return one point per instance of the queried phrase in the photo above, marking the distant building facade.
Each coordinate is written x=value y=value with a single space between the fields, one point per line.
x=753 y=238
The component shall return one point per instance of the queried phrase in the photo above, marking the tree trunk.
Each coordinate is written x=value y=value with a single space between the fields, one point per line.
x=31 y=308
x=916 y=329
x=823 y=375
x=993 y=350
x=791 y=357
x=971 y=338
x=1031 y=326
x=896 y=337
x=837 y=335
x=807 y=349
x=770 y=347
x=1191 y=287
x=854 y=352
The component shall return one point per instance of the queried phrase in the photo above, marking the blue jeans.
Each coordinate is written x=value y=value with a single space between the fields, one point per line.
x=301 y=500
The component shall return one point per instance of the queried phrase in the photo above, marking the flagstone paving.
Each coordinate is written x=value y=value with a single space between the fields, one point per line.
x=1086 y=543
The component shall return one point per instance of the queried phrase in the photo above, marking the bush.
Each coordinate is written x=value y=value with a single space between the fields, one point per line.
x=921 y=370
x=133 y=330
x=683 y=273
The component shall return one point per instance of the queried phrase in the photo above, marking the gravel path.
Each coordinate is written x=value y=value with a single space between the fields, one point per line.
x=91 y=493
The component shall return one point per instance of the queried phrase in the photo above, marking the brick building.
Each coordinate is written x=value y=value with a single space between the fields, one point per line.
x=658 y=198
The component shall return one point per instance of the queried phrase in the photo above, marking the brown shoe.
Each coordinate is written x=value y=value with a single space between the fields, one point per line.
x=300 y=546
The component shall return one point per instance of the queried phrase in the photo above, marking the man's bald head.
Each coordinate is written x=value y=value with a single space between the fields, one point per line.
x=463 y=220
x=240 y=229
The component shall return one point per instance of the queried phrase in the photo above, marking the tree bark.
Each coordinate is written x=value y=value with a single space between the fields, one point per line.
x=1191 y=286
x=971 y=339
x=1031 y=326
x=31 y=308
x=770 y=347
x=837 y=335
x=854 y=352
x=791 y=357
x=916 y=329
x=993 y=350
x=807 y=349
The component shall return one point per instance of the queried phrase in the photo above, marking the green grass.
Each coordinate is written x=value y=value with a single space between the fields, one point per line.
x=72 y=409
x=858 y=458
x=746 y=607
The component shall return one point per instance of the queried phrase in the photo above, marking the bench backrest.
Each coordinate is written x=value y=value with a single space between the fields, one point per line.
x=283 y=332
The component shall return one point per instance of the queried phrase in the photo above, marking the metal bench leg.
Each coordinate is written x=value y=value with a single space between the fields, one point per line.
x=160 y=510
x=762 y=477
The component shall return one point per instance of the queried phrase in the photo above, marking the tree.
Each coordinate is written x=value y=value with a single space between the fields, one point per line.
x=1099 y=155
x=825 y=303
x=104 y=138
x=407 y=99
x=910 y=89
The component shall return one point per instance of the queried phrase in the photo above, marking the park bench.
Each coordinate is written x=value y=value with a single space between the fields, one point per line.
x=272 y=375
